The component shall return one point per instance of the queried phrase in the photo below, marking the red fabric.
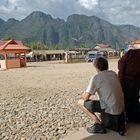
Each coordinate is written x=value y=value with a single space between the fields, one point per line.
x=129 y=74
x=129 y=64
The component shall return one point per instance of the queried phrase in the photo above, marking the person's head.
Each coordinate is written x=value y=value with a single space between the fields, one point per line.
x=101 y=64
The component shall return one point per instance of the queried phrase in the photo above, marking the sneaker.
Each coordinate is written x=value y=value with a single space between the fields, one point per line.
x=121 y=129
x=96 y=128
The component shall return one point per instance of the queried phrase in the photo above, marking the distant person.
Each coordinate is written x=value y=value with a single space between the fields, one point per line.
x=129 y=75
x=110 y=103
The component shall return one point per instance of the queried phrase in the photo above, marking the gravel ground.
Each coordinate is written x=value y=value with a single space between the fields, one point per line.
x=39 y=102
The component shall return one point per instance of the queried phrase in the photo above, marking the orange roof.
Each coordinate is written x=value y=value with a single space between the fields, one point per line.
x=12 y=45
x=2 y=42
x=137 y=41
x=16 y=47
x=103 y=45
x=134 y=42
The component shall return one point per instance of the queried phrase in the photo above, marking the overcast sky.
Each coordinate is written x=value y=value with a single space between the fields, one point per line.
x=114 y=11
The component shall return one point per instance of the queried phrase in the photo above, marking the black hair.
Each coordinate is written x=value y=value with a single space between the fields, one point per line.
x=101 y=63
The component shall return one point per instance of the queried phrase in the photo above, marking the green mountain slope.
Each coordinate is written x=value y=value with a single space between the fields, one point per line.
x=77 y=30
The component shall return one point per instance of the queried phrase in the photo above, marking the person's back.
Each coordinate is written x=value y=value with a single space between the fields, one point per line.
x=110 y=92
x=111 y=99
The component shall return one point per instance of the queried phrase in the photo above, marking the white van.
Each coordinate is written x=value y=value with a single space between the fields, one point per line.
x=92 y=55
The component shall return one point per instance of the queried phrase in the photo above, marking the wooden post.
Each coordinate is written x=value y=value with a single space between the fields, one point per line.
x=66 y=57
x=5 y=55
x=25 y=58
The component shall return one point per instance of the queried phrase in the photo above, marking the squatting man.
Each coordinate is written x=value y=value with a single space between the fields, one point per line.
x=110 y=103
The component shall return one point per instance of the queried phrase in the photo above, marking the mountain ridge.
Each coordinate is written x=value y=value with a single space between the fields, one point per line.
x=76 y=31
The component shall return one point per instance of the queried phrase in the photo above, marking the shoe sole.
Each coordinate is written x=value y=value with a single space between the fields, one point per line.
x=95 y=132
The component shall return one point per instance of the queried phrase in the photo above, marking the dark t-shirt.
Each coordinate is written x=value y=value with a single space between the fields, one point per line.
x=129 y=65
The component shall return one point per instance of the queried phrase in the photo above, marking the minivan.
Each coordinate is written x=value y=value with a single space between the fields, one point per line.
x=92 y=55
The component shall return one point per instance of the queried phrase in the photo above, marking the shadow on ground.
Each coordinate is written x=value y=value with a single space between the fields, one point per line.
x=132 y=133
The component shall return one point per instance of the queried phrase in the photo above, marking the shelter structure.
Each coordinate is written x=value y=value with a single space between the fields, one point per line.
x=77 y=54
x=82 y=51
x=12 y=54
x=47 y=55
x=134 y=44
x=107 y=50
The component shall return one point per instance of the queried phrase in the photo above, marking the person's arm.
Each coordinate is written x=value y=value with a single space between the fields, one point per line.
x=90 y=90
x=86 y=96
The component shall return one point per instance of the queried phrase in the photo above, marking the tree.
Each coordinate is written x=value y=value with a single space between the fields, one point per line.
x=38 y=46
x=54 y=47
x=8 y=37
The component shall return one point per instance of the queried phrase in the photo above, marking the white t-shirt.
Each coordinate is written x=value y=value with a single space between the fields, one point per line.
x=107 y=85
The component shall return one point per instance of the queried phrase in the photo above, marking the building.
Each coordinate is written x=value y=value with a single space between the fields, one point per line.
x=101 y=45
x=12 y=54
x=134 y=44
x=107 y=50
x=82 y=51
x=47 y=55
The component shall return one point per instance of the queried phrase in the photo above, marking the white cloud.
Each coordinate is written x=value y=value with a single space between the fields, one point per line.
x=13 y=1
x=115 y=11
x=88 y=4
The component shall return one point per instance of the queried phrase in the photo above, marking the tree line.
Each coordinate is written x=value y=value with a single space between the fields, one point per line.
x=36 y=45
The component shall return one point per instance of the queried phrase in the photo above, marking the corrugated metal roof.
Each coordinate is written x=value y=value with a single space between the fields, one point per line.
x=82 y=49
x=44 y=52
x=106 y=49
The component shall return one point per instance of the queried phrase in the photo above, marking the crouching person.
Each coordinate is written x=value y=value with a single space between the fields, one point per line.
x=110 y=103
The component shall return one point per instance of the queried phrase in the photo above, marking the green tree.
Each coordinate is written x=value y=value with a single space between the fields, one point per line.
x=38 y=46
x=55 y=47
x=8 y=37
